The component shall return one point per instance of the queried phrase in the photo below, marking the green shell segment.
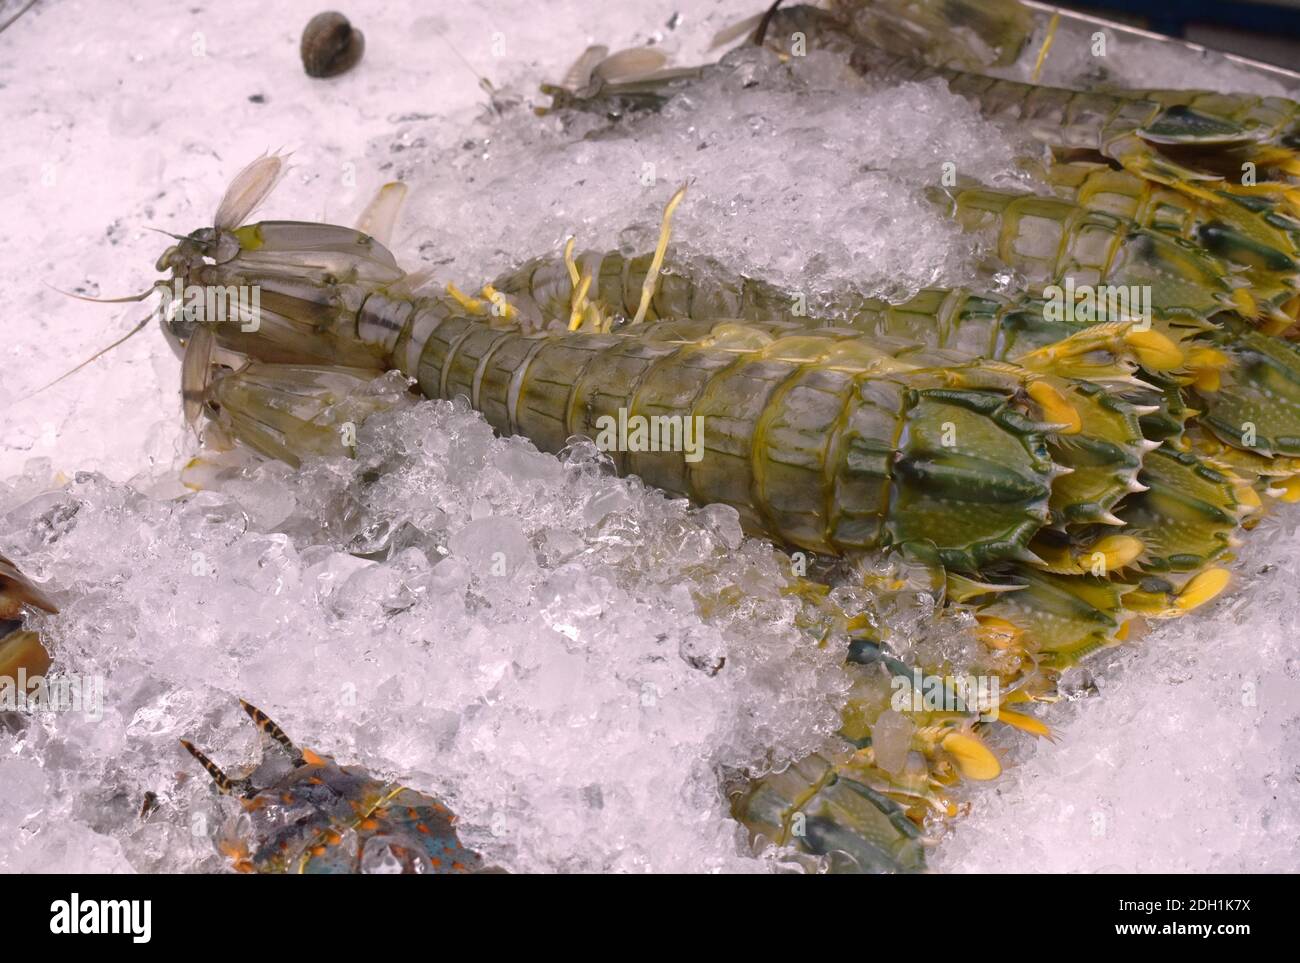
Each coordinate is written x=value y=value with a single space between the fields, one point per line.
x=1256 y=404
x=1186 y=517
x=966 y=483
x=1104 y=458
x=1063 y=617
x=1052 y=241
x=818 y=808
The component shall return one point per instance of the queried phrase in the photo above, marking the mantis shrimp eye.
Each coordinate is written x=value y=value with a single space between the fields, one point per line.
x=224 y=248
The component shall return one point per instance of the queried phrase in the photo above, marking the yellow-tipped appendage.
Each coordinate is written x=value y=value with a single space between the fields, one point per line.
x=1056 y=408
x=1206 y=365
x=997 y=633
x=656 y=263
x=500 y=306
x=471 y=304
x=1050 y=37
x=1203 y=587
x=972 y=757
x=578 y=306
x=1155 y=351
x=1025 y=723
x=1107 y=555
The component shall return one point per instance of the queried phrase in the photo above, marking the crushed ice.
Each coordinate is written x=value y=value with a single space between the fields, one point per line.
x=523 y=639
x=800 y=172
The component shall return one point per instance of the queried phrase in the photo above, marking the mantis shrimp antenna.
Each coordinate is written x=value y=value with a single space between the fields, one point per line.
x=267 y=725
x=97 y=355
x=227 y=785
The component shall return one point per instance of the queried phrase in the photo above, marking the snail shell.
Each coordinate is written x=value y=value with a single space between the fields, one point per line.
x=330 y=45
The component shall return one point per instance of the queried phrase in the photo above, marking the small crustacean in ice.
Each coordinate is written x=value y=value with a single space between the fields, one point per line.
x=301 y=812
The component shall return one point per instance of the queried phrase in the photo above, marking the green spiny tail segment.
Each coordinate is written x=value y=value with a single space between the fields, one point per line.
x=1164 y=408
x=1252 y=234
x=1052 y=241
x=1187 y=516
x=958 y=469
x=1238 y=129
x=1274 y=475
x=1255 y=402
x=1269 y=119
x=1179 y=125
x=819 y=808
x=1203 y=171
x=1104 y=455
x=1060 y=618
x=1103 y=459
